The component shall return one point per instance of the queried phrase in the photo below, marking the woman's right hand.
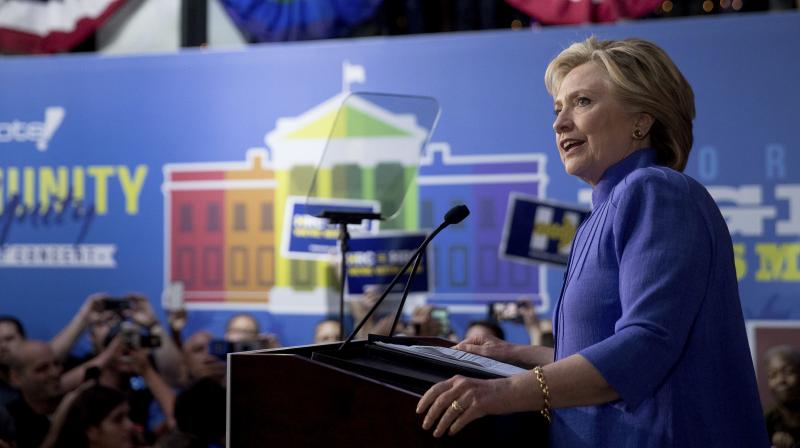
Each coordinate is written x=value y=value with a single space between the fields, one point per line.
x=526 y=356
x=489 y=346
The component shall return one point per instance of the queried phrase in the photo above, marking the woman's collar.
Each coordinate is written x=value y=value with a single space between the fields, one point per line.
x=616 y=172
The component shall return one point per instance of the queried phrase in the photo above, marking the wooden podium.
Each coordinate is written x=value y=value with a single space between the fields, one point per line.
x=317 y=395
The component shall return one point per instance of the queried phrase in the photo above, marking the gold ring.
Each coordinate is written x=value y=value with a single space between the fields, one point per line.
x=457 y=406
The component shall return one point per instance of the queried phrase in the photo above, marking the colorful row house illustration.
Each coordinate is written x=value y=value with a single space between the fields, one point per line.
x=467 y=266
x=224 y=221
x=220 y=229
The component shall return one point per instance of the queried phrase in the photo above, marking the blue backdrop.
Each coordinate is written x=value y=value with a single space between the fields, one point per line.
x=104 y=129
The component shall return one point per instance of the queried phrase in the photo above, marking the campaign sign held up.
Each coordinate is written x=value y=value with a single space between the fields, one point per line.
x=539 y=231
x=313 y=238
x=375 y=260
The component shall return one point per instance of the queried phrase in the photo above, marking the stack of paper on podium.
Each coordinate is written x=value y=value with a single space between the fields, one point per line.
x=457 y=358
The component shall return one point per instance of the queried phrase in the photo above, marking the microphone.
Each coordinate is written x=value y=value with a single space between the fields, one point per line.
x=453 y=216
x=456 y=214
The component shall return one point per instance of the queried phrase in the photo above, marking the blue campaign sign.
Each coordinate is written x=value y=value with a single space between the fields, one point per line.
x=376 y=260
x=538 y=230
x=313 y=238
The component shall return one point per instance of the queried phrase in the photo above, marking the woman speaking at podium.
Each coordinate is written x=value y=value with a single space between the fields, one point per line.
x=650 y=344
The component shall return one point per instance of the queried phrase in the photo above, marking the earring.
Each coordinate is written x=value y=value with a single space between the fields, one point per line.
x=637 y=134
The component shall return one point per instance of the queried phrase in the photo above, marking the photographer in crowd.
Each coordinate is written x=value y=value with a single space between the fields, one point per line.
x=132 y=372
x=200 y=406
x=99 y=313
x=522 y=312
x=200 y=362
x=244 y=332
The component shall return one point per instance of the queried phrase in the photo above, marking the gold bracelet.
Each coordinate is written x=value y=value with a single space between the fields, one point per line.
x=545 y=393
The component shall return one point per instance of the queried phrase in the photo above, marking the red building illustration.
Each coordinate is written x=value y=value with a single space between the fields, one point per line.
x=219 y=229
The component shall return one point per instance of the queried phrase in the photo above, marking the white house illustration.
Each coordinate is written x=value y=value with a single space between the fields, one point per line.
x=348 y=147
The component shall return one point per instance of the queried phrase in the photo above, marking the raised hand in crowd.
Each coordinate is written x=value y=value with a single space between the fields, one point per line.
x=425 y=324
x=161 y=391
x=168 y=357
x=89 y=313
x=539 y=331
x=74 y=377
x=141 y=311
x=384 y=326
x=422 y=323
x=131 y=371
x=177 y=320
x=360 y=306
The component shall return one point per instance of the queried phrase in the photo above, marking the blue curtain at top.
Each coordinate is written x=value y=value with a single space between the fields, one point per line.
x=289 y=20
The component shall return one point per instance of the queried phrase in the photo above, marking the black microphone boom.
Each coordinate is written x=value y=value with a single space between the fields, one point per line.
x=453 y=216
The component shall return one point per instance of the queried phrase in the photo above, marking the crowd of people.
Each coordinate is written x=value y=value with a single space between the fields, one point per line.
x=134 y=388
x=143 y=383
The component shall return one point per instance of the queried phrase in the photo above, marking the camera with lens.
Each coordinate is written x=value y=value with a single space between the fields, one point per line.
x=136 y=336
x=116 y=304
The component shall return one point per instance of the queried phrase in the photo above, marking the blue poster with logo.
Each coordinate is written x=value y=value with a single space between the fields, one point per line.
x=373 y=261
x=312 y=237
x=538 y=230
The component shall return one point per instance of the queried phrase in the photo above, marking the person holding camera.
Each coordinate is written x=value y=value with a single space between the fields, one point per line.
x=99 y=313
x=243 y=333
x=431 y=321
x=132 y=372
x=200 y=362
x=523 y=312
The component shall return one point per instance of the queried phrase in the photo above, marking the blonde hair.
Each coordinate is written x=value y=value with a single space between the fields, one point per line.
x=644 y=78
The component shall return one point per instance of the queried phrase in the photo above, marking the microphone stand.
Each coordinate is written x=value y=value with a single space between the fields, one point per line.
x=343 y=219
x=413 y=271
x=414 y=258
